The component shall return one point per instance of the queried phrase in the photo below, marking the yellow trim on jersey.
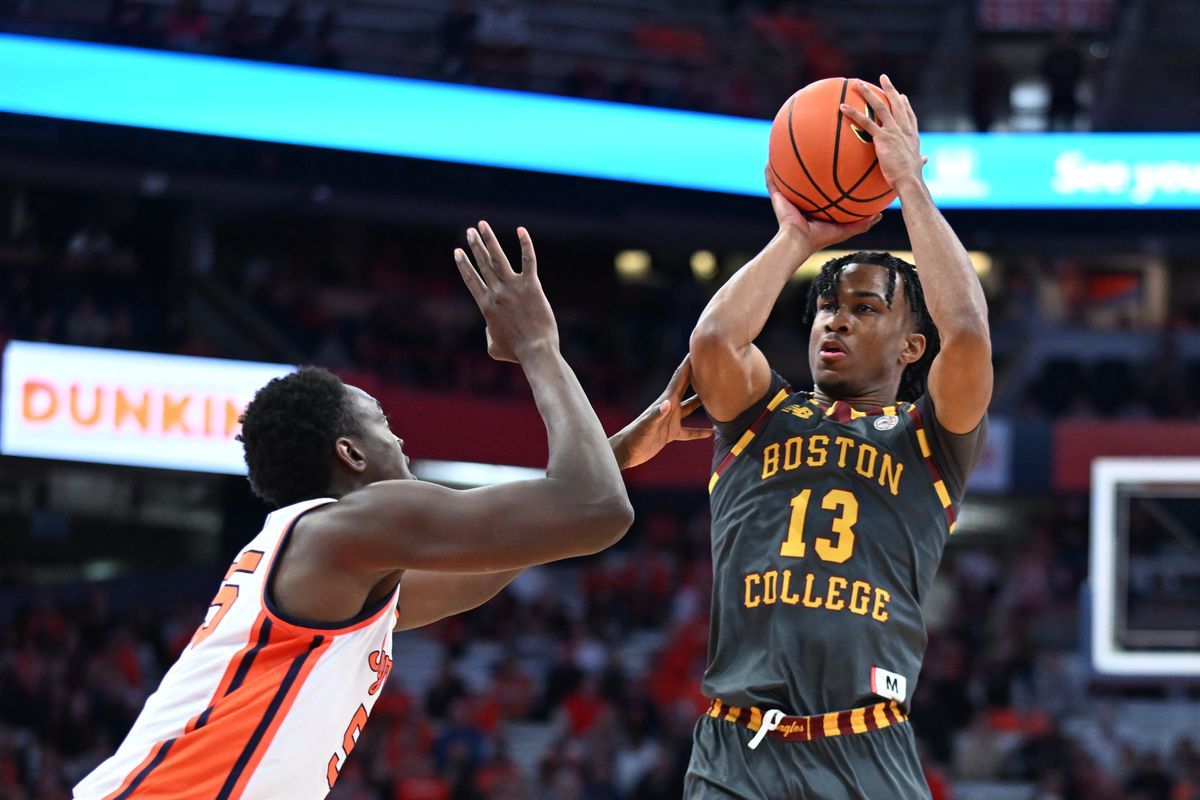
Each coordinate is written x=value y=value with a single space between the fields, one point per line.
x=746 y=439
x=953 y=525
x=733 y=713
x=881 y=720
x=925 y=451
x=889 y=411
x=748 y=436
x=832 y=407
x=715 y=711
x=831 y=724
x=943 y=495
x=855 y=414
x=858 y=720
x=755 y=718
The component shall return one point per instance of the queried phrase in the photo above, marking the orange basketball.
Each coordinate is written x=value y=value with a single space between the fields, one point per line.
x=822 y=162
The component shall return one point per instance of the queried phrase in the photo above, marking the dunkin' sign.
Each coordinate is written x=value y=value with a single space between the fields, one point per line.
x=122 y=407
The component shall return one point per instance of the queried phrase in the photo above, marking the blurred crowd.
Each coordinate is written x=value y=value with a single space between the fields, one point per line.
x=404 y=319
x=413 y=323
x=589 y=688
x=74 y=273
x=66 y=276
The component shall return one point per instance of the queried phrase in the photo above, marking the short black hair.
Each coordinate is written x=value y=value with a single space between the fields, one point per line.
x=912 y=382
x=288 y=431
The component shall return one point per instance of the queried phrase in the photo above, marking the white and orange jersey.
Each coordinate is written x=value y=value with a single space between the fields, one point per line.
x=259 y=705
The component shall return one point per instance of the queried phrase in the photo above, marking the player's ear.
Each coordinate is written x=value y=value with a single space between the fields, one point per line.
x=913 y=349
x=350 y=455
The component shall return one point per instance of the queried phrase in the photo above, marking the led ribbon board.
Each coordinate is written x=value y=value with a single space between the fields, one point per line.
x=541 y=133
x=123 y=407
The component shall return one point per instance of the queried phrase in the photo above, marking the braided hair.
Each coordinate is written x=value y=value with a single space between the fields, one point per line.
x=912 y=382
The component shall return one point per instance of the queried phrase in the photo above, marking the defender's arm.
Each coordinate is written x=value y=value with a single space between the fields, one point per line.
x=581 y=505
x=426 y=597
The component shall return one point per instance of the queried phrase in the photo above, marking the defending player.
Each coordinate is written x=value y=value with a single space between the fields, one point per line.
x=273 y=692
x=830 y=508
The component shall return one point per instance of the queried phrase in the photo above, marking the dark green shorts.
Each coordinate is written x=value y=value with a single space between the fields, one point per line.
x=877 y=765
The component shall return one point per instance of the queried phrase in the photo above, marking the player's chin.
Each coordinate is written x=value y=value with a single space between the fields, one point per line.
x=830 y=382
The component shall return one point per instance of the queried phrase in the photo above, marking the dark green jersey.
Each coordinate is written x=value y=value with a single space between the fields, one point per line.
x=827 y=527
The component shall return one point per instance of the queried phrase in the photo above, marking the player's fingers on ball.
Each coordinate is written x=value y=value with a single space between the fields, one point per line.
x=528 y=256
x=882 y=111
x=908 y=114
x=495 y=251
x=861 y=120
x=769 y=179
x=783 y=207
x=896 y=100
x=888 y=87
x=863 y=225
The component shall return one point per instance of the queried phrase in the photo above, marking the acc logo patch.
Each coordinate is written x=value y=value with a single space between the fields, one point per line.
x=886 y=423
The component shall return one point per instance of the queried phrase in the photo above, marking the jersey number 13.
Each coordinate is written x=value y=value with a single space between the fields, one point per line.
x=835 y=548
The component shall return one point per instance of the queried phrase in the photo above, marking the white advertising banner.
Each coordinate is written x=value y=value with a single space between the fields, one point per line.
x=124 y=407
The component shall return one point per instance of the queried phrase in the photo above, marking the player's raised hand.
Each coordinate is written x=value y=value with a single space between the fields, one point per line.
x=894 y=132
x=515 y=308
x=661 y=423
x=818 y=233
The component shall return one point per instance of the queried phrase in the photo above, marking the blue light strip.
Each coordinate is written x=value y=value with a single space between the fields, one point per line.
x=445 y=122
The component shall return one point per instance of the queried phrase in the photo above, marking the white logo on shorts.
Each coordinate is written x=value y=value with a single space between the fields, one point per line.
x=770 y=721
x=886 y=423
x=889 y=684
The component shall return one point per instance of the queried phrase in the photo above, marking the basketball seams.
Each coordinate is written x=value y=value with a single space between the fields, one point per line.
x=816 y=209
x=830 y=202
x=837 y=136
x=799 y=159
x=837 y=143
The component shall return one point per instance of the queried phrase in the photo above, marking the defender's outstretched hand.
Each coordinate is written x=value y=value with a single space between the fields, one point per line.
x=661 y=423
x=894 y=131
x=516 y=310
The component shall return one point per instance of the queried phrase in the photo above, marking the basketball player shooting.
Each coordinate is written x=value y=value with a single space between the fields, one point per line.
x=830 y=508
x=271 y=695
